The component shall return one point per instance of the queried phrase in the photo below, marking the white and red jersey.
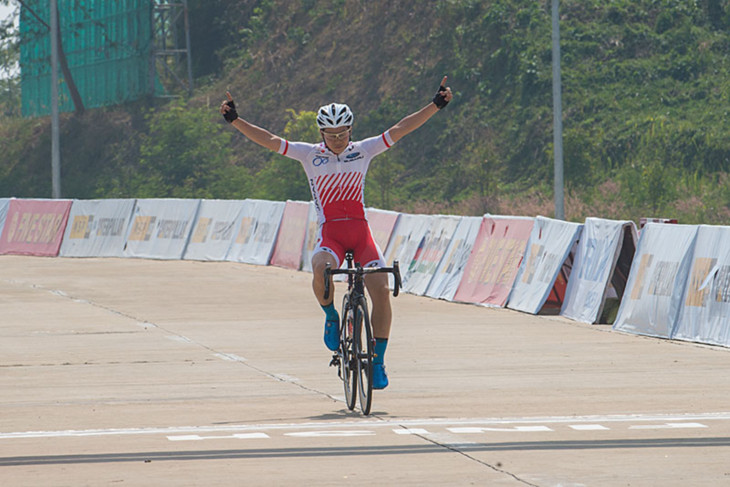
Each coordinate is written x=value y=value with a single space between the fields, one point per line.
x=337 y=181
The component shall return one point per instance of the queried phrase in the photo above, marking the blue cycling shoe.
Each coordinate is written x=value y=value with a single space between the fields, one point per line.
x=380 y=378
x=332 y=334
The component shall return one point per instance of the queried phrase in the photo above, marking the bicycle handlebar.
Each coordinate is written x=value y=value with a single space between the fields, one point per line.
x=361 y=271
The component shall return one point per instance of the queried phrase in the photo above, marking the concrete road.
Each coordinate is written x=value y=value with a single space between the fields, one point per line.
x=179 y=373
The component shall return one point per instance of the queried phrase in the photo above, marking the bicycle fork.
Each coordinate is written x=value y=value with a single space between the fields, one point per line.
x=337 y=356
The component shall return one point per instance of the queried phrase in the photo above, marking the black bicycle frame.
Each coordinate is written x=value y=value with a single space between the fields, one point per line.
x=356 y=274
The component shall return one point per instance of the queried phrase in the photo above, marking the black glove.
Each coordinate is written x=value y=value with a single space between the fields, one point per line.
x=231 y=115
x=439 y=99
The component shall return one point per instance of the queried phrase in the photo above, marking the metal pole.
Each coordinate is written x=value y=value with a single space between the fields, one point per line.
x=187 y=49
x=55 y=136
x=557 y=118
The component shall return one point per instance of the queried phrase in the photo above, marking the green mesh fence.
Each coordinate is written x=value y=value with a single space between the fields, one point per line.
x=107 y=43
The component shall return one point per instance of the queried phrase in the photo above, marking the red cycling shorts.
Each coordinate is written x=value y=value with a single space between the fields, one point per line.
x=337 y=236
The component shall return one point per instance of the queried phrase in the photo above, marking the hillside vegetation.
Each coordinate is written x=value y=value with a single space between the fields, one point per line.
x=646 y=88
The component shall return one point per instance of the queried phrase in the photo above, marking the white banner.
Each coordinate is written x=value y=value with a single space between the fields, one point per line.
x=310 y=239
x=97 y=228
x=448 y=275
x=4 y=205
x=160 y=228
x=494 y=261
x=382 y=223
x=408 y=234
x=595 y=261
x=430 y=251
x=214 y=229
x=255 y=233
x=548 y=248
x=653 y=296
x=705 y=313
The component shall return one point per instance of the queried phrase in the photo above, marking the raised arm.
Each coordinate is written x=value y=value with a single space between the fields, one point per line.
x=415 y=120
x=256 y=134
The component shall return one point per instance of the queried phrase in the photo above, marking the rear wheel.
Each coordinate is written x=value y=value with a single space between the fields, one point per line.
x=364 y=346
x=348 y=367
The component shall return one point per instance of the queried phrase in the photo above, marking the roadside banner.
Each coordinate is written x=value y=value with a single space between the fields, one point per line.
x=97 y=228
x=547 y=250
x=213 y=230
x=407 y=235
x=4 y=205
x=495 y=259
x=657 y=281
x=255 y=232
x=429 y=253
x=705 y=314
x=597 y=260
x=160 y=228
x=292 y=231
x=382 y=223
x=34 y=227
x=448 y=274
x=310 y=240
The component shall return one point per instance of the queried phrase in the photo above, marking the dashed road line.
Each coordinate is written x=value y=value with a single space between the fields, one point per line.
x=666 y=426
x=237 y=436
x=588 y=427
x=424 y=427
x=515 y=429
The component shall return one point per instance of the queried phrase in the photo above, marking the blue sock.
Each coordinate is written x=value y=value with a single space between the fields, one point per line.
x=380 y=345
x=331 y=312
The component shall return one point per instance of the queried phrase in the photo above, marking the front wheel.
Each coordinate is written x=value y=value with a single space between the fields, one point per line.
x=348 y=367
x=364 y=346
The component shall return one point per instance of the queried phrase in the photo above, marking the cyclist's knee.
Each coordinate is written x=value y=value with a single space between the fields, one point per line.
x=378 y=287
x=320 y=261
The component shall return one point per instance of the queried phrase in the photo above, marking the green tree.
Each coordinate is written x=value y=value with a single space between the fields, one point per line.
x=382 y=180
x=283 y=178
x=184 y=154
x=9 y=76
x=649 y=180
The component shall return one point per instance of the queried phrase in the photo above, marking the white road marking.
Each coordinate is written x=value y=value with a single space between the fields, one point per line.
x=324 y=434
x=663 y=419
x=666 y=426
x=588 y=427
x=229 y=357
x=237 y=436
x=411 y=431
x=515 y=429
x=179 y=338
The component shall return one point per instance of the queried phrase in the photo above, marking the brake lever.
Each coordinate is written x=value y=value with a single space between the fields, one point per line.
x=327 y=281
x=396 y=275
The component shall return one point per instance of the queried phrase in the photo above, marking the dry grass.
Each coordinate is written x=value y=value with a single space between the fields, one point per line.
x=602 y=202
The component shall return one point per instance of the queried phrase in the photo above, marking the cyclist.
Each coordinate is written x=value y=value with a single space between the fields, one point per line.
x=336 y=169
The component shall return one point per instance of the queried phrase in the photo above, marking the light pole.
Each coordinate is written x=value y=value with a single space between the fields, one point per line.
x=557 y=118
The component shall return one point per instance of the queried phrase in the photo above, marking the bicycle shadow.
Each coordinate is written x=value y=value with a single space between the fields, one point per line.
x=346 y=413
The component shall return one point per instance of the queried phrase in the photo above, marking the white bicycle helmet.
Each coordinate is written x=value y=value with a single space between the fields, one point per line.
x=334 y=115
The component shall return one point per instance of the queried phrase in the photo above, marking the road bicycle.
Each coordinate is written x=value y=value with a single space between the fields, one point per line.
x=354 y=357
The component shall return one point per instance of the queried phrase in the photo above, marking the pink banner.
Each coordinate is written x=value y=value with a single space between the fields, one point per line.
x=34 y=227
x=290 y=239
x=494 y=261
x=381 y=225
